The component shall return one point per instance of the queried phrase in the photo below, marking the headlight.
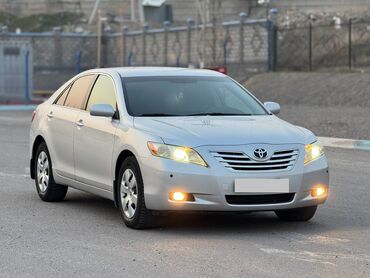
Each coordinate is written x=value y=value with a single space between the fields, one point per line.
x=177 y=153
x=313 y=151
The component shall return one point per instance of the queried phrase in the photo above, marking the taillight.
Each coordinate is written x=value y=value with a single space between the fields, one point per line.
x=33 y=115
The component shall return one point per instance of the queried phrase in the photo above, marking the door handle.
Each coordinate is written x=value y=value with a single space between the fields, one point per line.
x=80 y=123
x=50 y=115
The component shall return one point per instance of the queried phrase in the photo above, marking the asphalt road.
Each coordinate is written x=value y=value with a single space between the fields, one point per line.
x=84 y=235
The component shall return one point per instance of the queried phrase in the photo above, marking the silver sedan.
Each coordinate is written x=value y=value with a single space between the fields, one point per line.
x=172 y=139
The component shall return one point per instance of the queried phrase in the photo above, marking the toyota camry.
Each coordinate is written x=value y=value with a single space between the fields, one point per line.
x=171 y=139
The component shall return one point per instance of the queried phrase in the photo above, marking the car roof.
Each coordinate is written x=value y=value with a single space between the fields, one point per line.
x=161 y=71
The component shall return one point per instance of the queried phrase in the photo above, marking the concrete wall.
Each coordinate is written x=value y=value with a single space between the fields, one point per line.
x=230 y=9
x=182 y=9
x=28 y=7
x=323 y=5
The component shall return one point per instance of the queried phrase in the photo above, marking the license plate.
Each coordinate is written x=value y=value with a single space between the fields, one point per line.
x=261 y=186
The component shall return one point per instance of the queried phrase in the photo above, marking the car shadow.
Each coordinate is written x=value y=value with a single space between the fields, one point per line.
x=220 y=223
x=210 y=223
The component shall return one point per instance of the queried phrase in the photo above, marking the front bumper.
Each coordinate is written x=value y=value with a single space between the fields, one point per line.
x=210 y=185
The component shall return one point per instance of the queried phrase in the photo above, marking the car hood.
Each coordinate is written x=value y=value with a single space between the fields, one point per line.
x=223 y=130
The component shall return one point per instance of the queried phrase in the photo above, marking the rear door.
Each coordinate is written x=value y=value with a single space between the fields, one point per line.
x=94 y=138
x=62 y=118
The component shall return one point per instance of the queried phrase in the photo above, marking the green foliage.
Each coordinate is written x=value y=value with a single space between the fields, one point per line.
x=38 y=23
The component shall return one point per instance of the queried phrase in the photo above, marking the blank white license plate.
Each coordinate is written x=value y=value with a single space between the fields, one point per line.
x=261 y=186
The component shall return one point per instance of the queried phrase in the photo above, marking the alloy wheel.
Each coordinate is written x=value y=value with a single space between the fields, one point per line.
x=43 y=171
x=129 y=193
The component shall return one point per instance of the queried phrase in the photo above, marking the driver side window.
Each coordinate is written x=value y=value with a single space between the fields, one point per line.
x=103 y=92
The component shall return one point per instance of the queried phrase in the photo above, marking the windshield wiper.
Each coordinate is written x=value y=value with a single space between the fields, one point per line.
x=197 y=114
x=156 y=115
x=219 y=114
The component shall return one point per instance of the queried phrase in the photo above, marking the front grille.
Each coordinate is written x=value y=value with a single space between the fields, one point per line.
x=239 y=161
x=259 y=199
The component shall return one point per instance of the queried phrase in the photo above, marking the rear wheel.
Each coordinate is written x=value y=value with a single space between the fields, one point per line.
x=131 y=202
x=46 y=187
x=298 y=214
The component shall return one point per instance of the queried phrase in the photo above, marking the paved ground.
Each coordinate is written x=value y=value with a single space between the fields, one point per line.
x=84 y=236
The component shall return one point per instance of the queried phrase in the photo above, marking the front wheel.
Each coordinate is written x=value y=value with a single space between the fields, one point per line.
x=298 y=214
x=131 y=202
x=46 y=187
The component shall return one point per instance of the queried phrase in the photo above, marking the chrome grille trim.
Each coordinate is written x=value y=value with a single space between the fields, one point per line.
x=281 y=160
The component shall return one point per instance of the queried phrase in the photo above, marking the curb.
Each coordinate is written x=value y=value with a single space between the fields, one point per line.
x=345 y=143
x=6 y=108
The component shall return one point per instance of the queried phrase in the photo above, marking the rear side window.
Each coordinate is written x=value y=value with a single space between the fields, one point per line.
x=103 y=92
x=63 y=96
x=78 y=92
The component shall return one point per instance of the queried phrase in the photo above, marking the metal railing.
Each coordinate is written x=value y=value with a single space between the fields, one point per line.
x=242 y=42
x=243 y=45
x=316 y=47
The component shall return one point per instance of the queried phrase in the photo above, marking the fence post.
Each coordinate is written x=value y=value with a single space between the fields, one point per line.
x=242 y=16
x=78 y=61
x=145 y=28
x=125 y=57
x=214 y=41
x=226 y=41
x=350 y=43
x=58 y=49
x=190 y=23
x=272 y=45
x=121 y=46
x=98 y=40
x=27 y=77
x=310 y=47
x=166 y=25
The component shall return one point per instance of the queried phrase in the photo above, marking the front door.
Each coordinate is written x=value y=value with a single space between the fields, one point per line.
x=94 y=138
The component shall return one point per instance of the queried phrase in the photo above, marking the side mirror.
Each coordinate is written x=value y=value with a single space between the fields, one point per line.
x=102 y=110
x=273 y=107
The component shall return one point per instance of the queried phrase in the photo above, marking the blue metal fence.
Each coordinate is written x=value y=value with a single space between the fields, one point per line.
x=248 y=42
x=242 y=45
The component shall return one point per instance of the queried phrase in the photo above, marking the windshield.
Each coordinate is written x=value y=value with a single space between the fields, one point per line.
x=188 y=96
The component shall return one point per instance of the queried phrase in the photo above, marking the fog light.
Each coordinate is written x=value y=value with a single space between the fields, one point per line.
x=181 y=197
x=319 y=191
x=178 y=196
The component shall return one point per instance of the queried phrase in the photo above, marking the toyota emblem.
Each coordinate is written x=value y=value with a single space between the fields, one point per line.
x=260 y=153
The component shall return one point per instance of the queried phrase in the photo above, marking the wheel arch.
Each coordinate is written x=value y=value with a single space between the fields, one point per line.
x=122 y=156
x=36 y=143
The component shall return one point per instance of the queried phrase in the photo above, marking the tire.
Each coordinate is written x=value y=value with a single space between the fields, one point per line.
x=46 y=187
x=298 y=214
x=130 y=187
